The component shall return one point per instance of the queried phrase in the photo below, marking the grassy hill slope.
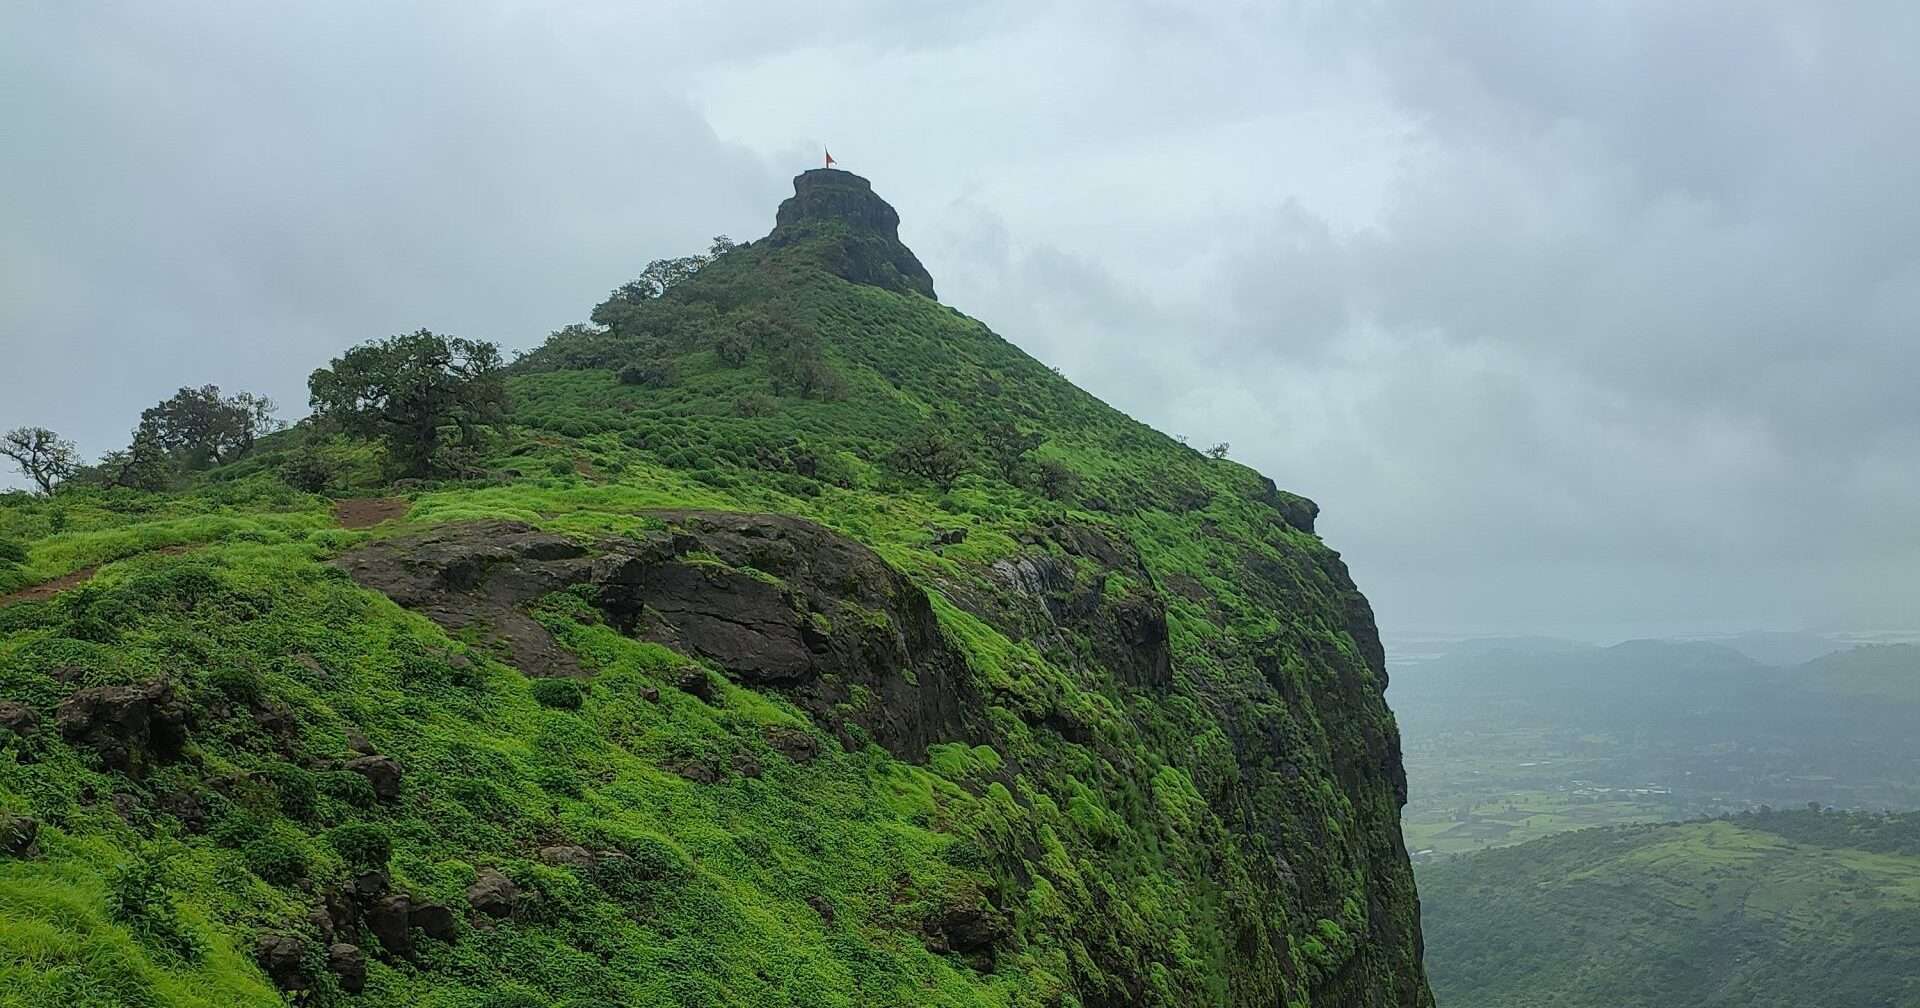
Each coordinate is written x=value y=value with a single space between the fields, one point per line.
x=1100 y=723
x=1778 y=909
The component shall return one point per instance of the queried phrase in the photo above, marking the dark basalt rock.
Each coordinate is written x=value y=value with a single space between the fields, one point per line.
x=389 y=918
x=435 y=920
x=18 y=718
x=348 y=964
x=283 y=958
x=493 y=894
x=381 y=772
x=476 y=575
x=775 y=602
x=854 y=232
x=130 y=727
x=1128 y=635
x=969 y=929
x=19 y=835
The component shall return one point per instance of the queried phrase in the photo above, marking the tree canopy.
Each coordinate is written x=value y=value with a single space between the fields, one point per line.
x=411 y=392
x=201 y=427
x=41 y=455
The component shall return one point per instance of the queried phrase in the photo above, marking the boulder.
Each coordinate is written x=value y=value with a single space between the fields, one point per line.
x=19 y=835
x=349 y=965
x=568 y=856
x=381 y=772
x=18 y=718
x=284 y=960
x=493 y=894
x=130 y=727
x=435 y=920
x=389 y=918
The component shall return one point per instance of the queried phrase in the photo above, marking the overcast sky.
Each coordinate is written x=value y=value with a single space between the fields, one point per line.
x=1597 y=319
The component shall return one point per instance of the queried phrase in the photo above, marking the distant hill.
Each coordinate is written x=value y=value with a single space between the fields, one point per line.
x=1783 y=910
x=1505 y=744
x=1781 y=647
x=1886 y=672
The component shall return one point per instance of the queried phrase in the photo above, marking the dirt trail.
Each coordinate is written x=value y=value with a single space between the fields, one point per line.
x=48 y=589
x=366 y=512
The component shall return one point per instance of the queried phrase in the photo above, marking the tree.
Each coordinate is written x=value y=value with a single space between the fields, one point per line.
x=1055 y=479
x=407 y=389
x=802 y=370
x=201 y=427
x=41 y=455
x=659 y=277
x=1008 y=448
x=934 y=454
x=1219 y=451
x=143 y=465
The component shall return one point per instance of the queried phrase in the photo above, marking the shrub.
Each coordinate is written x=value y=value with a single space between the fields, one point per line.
x=561 y=694
x=753 y=404
x=362 y=845
x=298 y=794
x=241 y=685
x=137 y=897
x=276 y=859
x=650 y=373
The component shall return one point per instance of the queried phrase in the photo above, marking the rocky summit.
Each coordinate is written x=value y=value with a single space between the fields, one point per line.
x=782 y=637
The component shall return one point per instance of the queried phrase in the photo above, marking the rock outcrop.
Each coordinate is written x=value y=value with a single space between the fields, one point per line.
x=837 y=217
x=773 y=601
x=130 y=727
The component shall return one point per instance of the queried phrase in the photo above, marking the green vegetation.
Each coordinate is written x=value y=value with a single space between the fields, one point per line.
x=1159 y=771
x=1768 y=910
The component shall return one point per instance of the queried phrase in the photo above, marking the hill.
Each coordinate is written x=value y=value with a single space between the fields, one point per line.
x=796 y=641
x=1778 y=909
x=1886 y=673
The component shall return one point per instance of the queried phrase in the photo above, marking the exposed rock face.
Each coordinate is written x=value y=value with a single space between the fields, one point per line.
x=854 y=231
x=131 y=727
x=1127 y=635
x=475 y=575
x=774 y=601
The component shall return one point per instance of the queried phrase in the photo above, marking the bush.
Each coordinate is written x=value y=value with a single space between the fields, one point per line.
x=241 y=685
x=137 y=897
x=651 y=373
x=561 y=694
x=276 y=859
x=298 y=794
x=753 y=404
x=362 y=845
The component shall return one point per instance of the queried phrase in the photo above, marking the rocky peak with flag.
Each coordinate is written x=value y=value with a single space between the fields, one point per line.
x=855 y=232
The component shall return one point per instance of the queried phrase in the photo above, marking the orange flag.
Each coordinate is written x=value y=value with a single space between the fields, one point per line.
x=829 y=155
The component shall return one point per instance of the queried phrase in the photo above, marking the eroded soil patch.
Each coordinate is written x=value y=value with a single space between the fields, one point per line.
x=366 y=512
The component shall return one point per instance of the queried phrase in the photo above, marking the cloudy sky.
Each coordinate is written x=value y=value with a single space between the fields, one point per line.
x=1596 y=319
